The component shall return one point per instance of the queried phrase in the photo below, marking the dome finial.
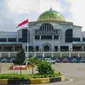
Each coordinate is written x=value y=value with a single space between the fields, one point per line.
x=51 y=7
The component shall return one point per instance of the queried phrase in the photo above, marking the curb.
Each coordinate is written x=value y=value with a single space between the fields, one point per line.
x=32 y=80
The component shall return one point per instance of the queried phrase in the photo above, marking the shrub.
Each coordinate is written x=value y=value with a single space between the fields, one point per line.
x=45 y=67
x=32 y=60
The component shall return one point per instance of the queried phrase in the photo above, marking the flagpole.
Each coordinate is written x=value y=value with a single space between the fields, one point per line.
x=23 y=25
x=27 y=42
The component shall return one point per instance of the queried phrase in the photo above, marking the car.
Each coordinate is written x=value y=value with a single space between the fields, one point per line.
x=82 y=61
x=50 y=60
x=65 y=60
x=3 y=60
x=58 y=60
x=74 y=60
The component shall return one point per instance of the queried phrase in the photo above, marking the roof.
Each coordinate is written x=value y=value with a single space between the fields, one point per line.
x=51 y=15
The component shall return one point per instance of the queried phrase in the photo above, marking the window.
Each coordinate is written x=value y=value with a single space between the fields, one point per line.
x=46 y=37
x=7 y=48
x=24 y=32
x=77 y=48
x=56 y=48
x=20 y=40
x=37 y=48
x=37 y=37
x=11 y=39
x=46 y=27
x=2 y=39
x=56 y=37
x=31 y=48
x=24 y=35
x=69 y=35
x=83 y=39
x=76 y=39
x=64 y=48
x=46 y=48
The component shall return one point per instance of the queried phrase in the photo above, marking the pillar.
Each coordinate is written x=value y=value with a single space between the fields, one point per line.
x=78 y=54
x=43 y=55
x=60 y=54
x=69 y=54
x=9 y=54
x=34 y=54
x=82 y=48
x=52 y=54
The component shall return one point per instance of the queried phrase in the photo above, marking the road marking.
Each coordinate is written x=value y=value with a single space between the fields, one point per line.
x=69 y=80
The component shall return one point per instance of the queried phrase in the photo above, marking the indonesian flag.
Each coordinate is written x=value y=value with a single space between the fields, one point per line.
x=23 y=24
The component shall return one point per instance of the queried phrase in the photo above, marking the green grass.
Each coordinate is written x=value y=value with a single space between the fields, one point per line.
x=27 y=76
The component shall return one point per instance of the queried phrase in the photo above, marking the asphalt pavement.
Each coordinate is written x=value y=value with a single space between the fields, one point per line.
x=75 y=71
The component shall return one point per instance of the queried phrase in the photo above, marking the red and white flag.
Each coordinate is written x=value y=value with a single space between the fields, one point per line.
x=23 y=24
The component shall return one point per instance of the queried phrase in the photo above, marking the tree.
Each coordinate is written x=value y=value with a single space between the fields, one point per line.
x=20 y=58
x=45 y=67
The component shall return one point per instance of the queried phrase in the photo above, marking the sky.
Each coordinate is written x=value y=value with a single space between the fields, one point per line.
x=12 y=12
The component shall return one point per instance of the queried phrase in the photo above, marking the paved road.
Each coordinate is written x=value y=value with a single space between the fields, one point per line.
x=75 y=71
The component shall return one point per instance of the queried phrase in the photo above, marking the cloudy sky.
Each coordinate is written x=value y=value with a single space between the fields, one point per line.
x=13 y=12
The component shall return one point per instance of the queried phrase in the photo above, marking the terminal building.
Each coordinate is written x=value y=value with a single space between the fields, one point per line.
x=50 y=36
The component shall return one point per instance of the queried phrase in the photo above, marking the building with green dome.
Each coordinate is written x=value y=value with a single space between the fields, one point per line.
x=49 y=36
x=51 y=15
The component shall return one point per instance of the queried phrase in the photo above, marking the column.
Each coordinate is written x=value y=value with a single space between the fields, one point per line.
x=82 y=48
x=43 y=54
x=59 y=48
x=69 y=54
x=0 y=54
x=60 y=54
x=40 y=37
x=52 y=46
x=34 y=54
x=78 y=54
x=9 y=54
x=52 y=54
x=52 y=37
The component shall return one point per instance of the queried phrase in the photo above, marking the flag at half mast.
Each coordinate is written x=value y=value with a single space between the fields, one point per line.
x=23 y=24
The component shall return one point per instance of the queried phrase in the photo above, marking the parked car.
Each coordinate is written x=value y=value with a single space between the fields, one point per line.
x=65 y=60
x=4 y=60
x=82 y=60
x=50 y=60
x=74 y=60
x=58 y=60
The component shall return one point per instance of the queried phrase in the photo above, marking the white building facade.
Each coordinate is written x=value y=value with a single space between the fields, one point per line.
x=49 y=36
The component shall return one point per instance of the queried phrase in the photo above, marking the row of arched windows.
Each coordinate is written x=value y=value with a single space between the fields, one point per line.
x=46 y=27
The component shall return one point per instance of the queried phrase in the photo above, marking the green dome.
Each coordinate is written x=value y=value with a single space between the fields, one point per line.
x=51 y=15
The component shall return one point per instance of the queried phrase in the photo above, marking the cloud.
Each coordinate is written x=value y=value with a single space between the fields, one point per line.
x=14 y=11
x=10 y=17
x=6 y=23
x=77 y=11
x=23 y=6
x=69 y=1
x=31 y=8
x=47 y=4
x=27 y=6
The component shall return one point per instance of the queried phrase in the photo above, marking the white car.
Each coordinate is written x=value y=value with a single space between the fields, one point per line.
x=50 y=60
